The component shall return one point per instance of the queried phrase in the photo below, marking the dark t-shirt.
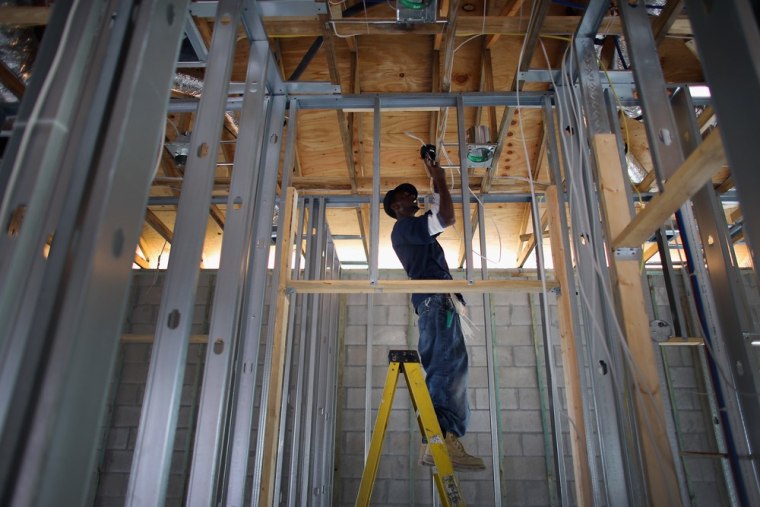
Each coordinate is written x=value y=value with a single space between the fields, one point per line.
x=419 y=252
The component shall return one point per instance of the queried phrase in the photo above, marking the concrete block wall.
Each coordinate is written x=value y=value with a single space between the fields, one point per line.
x=125 y=406
x=521 y=449
x=523 y=476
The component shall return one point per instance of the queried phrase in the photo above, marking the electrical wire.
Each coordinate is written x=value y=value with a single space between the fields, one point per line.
x=636 y=374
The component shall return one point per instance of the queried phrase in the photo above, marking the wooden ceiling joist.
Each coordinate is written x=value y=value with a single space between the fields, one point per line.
x=159 y=226
x=466 y=26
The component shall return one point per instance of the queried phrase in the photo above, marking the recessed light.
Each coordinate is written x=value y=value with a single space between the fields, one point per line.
x=468 y=7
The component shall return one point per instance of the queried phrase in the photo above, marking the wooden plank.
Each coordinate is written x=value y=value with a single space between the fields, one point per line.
x=415 y=286
x=511 y=8
x=141 y=262
x=24 y=17
x=661 y=24
x=277 y=372
x=531 y=243
x=694 y=173
x=148 y=338
x=659 y=464
x=158 y=225
x=11 y=81
x=570 y=369
x=346 y=135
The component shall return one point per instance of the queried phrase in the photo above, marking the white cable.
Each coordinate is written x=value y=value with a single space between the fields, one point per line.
x=620 y=336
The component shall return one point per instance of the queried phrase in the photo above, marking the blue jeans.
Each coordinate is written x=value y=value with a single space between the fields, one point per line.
x=444 y=358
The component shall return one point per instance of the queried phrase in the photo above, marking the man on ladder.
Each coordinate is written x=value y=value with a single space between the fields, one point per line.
x=441 y=342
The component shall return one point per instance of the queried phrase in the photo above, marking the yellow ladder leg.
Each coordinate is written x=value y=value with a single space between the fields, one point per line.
x=445 y=480
x=408 y=361
x=378 y=434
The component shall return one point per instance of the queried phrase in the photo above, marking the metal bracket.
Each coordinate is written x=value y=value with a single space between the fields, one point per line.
x=627 y=254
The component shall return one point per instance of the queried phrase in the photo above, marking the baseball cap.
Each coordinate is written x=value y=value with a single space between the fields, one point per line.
x=391 y=195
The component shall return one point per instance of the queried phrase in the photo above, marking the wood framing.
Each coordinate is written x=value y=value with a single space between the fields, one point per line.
x=659 y=464
x=570 y=369
x=694 y=173
x=277 y=373
x=416 y=286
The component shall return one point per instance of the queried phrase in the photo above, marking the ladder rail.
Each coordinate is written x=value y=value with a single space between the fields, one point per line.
x=443 y=474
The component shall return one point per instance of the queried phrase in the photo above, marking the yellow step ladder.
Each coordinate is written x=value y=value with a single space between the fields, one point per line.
x=408 y=362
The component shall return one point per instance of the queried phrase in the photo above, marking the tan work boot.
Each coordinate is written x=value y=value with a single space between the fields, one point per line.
x=460 y=460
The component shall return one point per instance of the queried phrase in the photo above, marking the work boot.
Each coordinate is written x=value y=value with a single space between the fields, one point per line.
x=460 y=460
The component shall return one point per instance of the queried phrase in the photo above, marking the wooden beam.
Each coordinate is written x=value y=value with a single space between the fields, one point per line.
x=661 y=24
x=511 y=8
x=159 y=226
x=11 y=81
x=24 y=17
x=537 y=19
x=148 y=338
x=277 y=373
x=336 y=12
x=311 y=26
x=659 y=463
x=415 y=286
x=570 y=370
x=141 y=262
x=694 y=173
x=345 y=134
x=531 y=243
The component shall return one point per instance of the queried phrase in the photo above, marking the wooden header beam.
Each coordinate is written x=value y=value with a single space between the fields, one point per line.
x=416 y=286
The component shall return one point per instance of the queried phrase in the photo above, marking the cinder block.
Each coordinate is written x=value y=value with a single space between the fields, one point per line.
x=525 y=468
x=356 y=316
x=480 y=397
x=503 y=356
x=126 y=417
x=518 y=377
x=528 y=399
x=514 y=335
x=118 y=461
x=509 y=298
x=390 y=335
x=482 y=445
x=477 y=355
x=508 y=399
x=536 y=493
x=398 y=315
x=355 y=398
x=117 y=439
x=399 y=494
x=354 y=376
x=533 y=444
x=523 y=421
x=127 y=394
x=111 y=485
x=355 y=335
x=477 y=377
x=149 y=295
x=511 y=443
x=524 y=355
x=479 y=421
x=356 y=300
x=353 y=443
x=136 y=352
x=134 y=373
x=356 y=355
